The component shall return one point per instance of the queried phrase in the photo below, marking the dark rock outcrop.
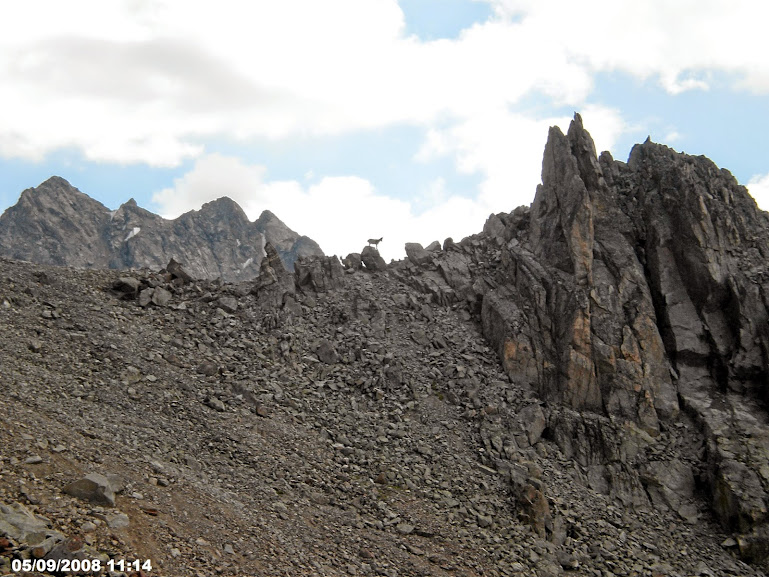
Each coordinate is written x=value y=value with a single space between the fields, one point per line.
x=372 y=260
x=319 y=274
x=57 y=224
x=632 y=297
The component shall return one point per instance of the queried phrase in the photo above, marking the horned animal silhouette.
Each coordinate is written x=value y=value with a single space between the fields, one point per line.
x=375 y=241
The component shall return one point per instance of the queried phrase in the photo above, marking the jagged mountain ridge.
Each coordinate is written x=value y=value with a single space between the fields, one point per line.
x=579 y=388
x=632 y=295
x=57 y=224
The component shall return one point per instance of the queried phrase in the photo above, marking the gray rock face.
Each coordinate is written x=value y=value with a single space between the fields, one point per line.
x=57 y=224
x=626 y=294
x=319 y=274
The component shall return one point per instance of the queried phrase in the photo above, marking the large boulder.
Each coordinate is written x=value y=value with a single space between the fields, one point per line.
x=418 y=255
x=93 y=487
x=372 y=260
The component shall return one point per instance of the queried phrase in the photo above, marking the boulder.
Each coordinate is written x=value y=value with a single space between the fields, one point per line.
x=161 y=297
x=274 y=282
x=418 y=255
x=93 y=487
x=177 y=271
x=127 y=285
x=373 y=260
x=353 y=261
x=228 y=304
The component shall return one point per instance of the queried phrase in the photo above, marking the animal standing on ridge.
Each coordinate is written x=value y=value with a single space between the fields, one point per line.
x=375 y=242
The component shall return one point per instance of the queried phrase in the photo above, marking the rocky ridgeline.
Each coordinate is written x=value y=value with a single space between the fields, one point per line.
x=57 y=224
x=543 y=398
x=632 y=297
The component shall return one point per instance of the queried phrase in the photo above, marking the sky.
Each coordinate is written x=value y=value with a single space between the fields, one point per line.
x=411 y=120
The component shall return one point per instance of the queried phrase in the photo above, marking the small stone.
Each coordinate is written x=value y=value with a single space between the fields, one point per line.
x=145 y=297
x=118 y=521
x=228 y=549
x=42 y=549
x=161 y=297
x=33 y=460
x=327 y=353
x=484 y=520
x=207 y=368
x=127 y=285
x=404 y=528
x=228 y=304
x=567 y=561
x=703 y=570
x=216 y=404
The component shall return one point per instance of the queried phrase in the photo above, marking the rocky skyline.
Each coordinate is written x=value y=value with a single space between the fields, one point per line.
x=579 y=388
x=408 y=119
x=57 y=224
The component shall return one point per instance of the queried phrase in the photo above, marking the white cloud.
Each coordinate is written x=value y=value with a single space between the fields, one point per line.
x=507 y=148
x=678 y=43
x=213 y=176
x=758 y=187
x=340 y=213
x=150 y=81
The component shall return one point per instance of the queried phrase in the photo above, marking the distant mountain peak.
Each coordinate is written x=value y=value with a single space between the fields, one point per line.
x=224 y=207
x=267 y=215
x=55 y=181
x=55 y=223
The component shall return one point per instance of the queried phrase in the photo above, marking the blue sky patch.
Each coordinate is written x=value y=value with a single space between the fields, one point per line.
x=436 y=19
x=719 y=123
